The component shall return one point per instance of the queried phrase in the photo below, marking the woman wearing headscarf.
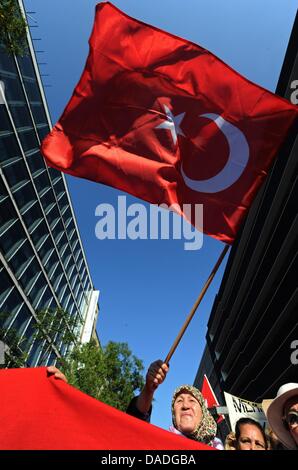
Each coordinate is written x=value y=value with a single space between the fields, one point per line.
x=191 y=417
x=189 y=413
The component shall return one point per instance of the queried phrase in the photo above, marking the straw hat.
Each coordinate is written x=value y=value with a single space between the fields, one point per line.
x=275 y=414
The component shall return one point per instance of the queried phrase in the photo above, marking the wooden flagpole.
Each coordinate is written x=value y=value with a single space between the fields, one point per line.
x=197 y=303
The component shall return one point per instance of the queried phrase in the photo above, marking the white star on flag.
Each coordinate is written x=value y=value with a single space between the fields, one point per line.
x=172 y=123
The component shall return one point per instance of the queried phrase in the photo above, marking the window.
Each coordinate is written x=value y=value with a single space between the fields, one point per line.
x=63 y=201
x=21 y=319
x=7 y=214
x=75 y=243
x=46 y=248
x=34 y=353
x=71 y=307
x=6 y=286
x=54 y=174
x=42 y=181
x=76 y=253
x=16 y=172
x=79 y=296
x=53 y=304
x=32 y=90
x=57 y=229
x=67 y=255
x=71 y=235
x=61 y=287
x=13 y=88
x=21 y=258
x=83 y=272
x=20 y=114
x=37 y=289
x=3 y=192
x=9 y=147
x=45 y=300
x=74 y=279
x=39 y=233
x=24 y=194
x=51 y=264
x=59 y=187
x=71 y=228
x=6 y=61
x=26 y=66
x=53 y=215
x=42 y=240
x=39 y=115
x=28 y=336
x=62 y=242
x=5 y=124
x=77 y=290
x=28 y=139
x=10 y=304
x=65 y=298
x=57 y=278
x=35 y=161
x=80 y=262
x=12 y=237
x=82 y=304
x=30 y=275
x=32 y=214
x=71 y=269
x=86 y=285
x=48 y=199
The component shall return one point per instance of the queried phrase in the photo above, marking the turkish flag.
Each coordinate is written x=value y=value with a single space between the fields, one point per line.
x=165 y=120
x=209 y=396
x=39 y=412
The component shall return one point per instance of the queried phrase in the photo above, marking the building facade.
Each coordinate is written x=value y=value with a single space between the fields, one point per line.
x=42 y=261
x=253 y=327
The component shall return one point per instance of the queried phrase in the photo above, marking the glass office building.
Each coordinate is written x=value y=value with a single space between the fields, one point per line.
x=42 y=262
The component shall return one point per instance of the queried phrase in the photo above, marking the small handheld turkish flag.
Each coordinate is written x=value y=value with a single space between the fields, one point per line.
x=209 y=395
x=165 y=120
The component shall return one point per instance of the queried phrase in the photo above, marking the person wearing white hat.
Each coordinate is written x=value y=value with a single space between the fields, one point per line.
x=282 y=415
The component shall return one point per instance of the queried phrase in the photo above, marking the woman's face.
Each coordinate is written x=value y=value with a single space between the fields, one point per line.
x=250 y=438
x=188 y=413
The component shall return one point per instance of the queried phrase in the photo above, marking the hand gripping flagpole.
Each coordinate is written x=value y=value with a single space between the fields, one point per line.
x=197 y=303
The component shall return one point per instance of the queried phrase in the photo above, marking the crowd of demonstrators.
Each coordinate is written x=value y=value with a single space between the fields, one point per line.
x=191 y=418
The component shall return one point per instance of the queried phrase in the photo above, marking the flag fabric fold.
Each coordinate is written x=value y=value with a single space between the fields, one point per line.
x=165 y=120
x=39 y=412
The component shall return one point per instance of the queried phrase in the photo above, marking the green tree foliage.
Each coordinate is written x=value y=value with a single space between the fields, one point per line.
x=13 y=27
x=56 y=326
x=110 y=374
x=53 y=327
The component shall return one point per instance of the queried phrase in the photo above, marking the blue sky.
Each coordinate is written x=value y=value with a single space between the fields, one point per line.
x=149 y=286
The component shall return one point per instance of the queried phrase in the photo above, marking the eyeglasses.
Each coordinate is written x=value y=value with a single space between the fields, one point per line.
x=291 y=419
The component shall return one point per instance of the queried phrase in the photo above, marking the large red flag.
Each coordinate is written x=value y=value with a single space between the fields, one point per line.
x=165 y=120
x=38 y=412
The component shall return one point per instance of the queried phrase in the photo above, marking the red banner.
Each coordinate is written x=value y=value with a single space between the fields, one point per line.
x=167 y=121
x=39 y=412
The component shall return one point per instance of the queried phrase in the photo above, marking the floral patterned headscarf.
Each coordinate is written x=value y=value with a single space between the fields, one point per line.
x=206 y=429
